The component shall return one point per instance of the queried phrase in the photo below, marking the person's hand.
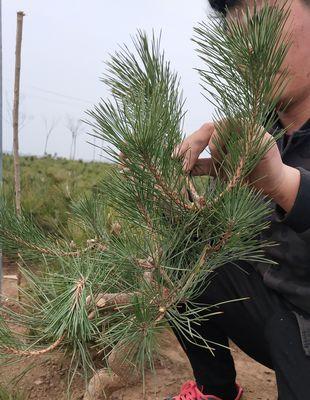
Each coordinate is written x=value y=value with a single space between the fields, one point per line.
x=191 y=148
x=275 y=179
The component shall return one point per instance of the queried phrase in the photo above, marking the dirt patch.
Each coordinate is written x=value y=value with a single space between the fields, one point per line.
x=47 y=379
x=257 y=381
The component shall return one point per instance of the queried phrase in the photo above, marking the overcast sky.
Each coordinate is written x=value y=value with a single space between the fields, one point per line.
x=65 y=44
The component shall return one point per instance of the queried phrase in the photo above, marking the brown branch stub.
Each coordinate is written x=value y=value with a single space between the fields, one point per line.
x=94 y=244
x=147 y=264
x=109 y=301
x=113 y=299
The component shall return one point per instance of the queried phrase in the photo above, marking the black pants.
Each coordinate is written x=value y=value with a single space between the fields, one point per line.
x=263 y=327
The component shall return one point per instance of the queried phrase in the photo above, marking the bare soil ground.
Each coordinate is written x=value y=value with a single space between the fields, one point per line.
x=47 y=380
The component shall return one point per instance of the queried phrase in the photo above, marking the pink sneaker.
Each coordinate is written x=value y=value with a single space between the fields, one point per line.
x=190 y=391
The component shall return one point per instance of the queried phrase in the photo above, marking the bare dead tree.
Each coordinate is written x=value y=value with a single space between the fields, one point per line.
x=49 y=126
x=74 y=126
x=23 y=118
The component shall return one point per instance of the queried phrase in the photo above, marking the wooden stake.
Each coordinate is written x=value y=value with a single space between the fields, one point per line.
x=19 y=34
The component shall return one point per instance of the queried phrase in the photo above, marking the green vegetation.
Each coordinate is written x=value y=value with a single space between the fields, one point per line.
x=50 y=185
x=6 y=394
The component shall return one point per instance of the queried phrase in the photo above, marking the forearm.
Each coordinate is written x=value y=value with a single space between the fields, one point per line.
x=287 y=193
x=297 y=215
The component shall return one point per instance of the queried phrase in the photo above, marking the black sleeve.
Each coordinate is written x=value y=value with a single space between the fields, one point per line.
x=299 y=216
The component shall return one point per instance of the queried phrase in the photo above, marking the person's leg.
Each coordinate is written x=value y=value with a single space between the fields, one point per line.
x=262 y=326
x=214 y=374
x=242 y=321
x=291 y=365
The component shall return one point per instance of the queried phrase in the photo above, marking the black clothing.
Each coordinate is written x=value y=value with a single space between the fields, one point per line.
x=291 y=277
x=262 y=326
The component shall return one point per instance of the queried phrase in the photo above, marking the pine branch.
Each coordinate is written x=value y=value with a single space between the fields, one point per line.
x=29 y=353
x=53 y=252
